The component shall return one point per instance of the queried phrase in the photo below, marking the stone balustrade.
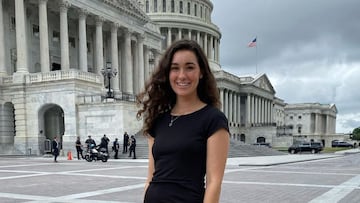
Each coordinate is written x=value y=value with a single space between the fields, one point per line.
x=55 y=76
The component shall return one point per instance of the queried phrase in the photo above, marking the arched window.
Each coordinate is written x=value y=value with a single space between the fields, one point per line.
x=195 y=10
x=172 y=6
x=260 y=140
x=181 y=7
x=242 y=137
x=164 y=6
x=147 y=6
x=188 y=8
x=155 y=6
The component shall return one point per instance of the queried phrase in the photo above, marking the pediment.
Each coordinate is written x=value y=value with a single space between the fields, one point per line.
x=130 y=7
x=333 y=108
x=263 y=82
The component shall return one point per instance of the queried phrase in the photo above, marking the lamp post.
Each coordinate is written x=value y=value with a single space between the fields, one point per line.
x=109 y=73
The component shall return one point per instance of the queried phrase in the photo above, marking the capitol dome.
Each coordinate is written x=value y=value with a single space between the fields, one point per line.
x=186 y=19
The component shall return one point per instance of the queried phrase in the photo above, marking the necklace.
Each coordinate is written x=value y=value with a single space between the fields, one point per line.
x=173 y=119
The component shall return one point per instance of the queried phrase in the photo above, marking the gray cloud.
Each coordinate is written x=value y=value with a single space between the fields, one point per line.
x=309 y=49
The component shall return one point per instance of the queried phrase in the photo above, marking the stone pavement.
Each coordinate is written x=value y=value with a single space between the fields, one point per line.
x=40 y=180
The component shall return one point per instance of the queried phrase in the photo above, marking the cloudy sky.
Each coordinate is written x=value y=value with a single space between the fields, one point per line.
x=309 y=49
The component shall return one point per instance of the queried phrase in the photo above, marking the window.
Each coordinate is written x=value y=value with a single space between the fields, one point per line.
x=56 y=36
x=299 y=117
x=12 y=24
x=189 y=8
x=299 y=129
x=155 y=6
x=172 y=6
x=36 y=31
x=201 y=11
x=147 y=6
x=164 y=6
x=88 y=47
x=291 y=117
x=181 y=7
x=72 y=42
x=195 y=10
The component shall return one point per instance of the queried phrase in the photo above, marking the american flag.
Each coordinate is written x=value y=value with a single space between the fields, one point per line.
x=252 y=43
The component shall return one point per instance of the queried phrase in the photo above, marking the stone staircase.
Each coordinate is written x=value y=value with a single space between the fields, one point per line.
x=237 y=149
x=241 y=149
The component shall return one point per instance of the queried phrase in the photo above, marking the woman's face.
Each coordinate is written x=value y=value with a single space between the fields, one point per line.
x=184 y=73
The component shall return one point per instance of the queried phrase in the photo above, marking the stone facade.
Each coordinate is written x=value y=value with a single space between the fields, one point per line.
x=53 y=82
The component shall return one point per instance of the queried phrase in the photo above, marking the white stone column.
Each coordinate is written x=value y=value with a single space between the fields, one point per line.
x=127 y=62
x=198 y=37
x=189 y=34
x=253 y=109
x=318 y=123
x=231 y=110
x=157 y=58
x=248 y=110
x=327 y=124
x=2 y=43
x=169 y=37
x=99 y=45
x=21 y=42
x=272 y=112
x=269 y=111
x=82 y=41
x=205 y=47
x=256 y=110
x=226 y=102
x=140 y=53
x=44 y=39
x=179 y=34
x=239 y=109
x=114 y=56
x=261 y=110
x=266 y=107
x=211 y=47
x=222 y=99
x=64 y=36
x=146 y=62
x=218 y=50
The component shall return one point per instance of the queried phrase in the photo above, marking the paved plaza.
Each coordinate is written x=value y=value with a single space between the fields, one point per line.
x=286 y=178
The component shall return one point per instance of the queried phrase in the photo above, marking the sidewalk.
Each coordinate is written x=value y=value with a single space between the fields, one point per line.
x=255 y=160
x=284 y=159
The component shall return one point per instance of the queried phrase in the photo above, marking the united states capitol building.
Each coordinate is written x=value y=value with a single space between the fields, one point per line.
x=72 y=68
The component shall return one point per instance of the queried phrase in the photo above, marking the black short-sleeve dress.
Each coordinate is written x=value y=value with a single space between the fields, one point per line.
x=179 y=153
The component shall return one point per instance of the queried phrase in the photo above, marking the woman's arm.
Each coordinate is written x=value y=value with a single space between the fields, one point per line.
x=217 y=151
x=151 y=166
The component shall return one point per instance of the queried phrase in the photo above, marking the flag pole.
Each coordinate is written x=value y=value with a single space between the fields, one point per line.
x=253 y=43
x=256 y=58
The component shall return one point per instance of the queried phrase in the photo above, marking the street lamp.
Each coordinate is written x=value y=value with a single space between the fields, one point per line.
x=109 y=73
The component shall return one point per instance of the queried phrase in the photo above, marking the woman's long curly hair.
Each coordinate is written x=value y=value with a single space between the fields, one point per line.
x=158 y=96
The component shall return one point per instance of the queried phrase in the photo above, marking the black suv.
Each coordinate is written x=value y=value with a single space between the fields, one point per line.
x=313 y=147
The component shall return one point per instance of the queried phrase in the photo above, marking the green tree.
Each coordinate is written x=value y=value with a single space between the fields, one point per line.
x=356 y=134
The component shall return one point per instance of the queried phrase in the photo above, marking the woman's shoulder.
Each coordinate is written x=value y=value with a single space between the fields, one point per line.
x=213 y=111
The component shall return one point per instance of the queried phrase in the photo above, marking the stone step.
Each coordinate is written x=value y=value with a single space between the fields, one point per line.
x=237 y=149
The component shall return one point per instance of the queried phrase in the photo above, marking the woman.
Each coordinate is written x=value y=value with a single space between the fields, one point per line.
x=55 y=148
x=188 y=136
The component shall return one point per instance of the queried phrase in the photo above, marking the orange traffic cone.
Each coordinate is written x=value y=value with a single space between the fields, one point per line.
x=69 y=155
